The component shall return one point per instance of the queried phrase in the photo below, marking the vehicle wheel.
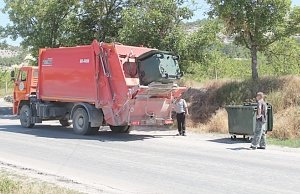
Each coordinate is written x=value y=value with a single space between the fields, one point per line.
x=65 y=122
x=26 y=116
x=81 y=124
x=120 y=129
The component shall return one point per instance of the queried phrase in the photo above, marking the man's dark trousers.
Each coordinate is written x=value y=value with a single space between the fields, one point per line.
x=181 y=123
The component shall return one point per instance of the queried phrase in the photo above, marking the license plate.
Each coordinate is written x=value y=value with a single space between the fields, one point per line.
x=151 y=122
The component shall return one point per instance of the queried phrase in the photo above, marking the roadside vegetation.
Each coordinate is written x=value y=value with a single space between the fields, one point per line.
x=6 y=84
x=209 y=115
x=293 y=143
x=15 y=184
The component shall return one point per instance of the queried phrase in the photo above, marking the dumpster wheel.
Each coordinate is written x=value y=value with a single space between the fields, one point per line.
x=249 y=139
x=233 y=137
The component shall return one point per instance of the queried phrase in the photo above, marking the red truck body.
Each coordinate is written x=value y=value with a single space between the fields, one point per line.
x=102 y=79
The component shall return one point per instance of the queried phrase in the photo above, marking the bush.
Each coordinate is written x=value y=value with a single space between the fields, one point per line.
x=9 y=99
x=204 y=102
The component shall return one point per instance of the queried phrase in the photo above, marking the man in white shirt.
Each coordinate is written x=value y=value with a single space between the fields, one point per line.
x=181 y=110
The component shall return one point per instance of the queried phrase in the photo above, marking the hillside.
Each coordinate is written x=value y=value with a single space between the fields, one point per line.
x=6 y=53
x=11 y=55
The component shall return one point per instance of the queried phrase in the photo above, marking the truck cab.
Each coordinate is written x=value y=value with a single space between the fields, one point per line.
x=25 y=85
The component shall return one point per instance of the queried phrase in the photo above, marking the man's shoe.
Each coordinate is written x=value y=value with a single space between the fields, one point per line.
x=253 y=147
x=261 y=148
x=183 y=134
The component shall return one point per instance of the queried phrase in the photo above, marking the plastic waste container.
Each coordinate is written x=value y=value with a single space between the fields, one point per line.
x=242 y=119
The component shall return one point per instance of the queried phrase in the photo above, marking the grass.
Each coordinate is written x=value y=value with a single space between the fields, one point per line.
x=13 y=184
x=293 y=143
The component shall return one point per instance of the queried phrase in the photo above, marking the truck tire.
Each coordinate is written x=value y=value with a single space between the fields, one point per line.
x=81 y=123
x=120 y=129
x=65 y=122
x=26 y=116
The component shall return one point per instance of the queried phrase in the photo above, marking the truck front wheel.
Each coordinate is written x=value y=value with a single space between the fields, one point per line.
x=81 y=124
x=120 y=129
x=26 y=116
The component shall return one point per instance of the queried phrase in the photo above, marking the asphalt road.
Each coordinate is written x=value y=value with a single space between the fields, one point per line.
x=148 y=160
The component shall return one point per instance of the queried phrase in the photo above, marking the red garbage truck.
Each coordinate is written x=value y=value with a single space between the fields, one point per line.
x=98 y=85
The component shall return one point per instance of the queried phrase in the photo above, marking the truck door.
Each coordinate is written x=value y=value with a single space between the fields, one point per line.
x=20 y=88
x=21 y=82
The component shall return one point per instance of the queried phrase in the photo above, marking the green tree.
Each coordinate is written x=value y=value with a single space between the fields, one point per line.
x=154 y=23
x=283 y=56
x=203 y=40
x=40 y=23
x=55 y=23
x=256 y=24
x=200 y=53
x=3 y=45
x=235 y=51
x=99 y=20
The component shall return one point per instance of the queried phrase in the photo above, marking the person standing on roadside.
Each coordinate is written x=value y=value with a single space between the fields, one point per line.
x=181 y=111
x=259 y=139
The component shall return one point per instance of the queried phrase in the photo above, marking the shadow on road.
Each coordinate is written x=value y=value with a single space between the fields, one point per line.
x=10 y=117
x=54 y=131
x=152 y=128
x=58 y=132
x=5 y=111
x=229 y=141
x=238 y=149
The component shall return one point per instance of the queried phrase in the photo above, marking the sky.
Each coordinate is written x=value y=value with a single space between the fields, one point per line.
x=200 y=9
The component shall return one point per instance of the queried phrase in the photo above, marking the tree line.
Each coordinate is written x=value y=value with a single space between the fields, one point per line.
x=260 y=31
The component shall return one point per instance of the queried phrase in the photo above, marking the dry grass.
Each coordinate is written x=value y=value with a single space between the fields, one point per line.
x=217 y=124
x=14 y=184
x=287 y=124
x=207 y=104
x=288 y=95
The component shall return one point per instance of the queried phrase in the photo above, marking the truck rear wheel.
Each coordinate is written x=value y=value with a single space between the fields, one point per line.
x=81 y=123
x=120 y=129
x=65 y=122
x=26 y=116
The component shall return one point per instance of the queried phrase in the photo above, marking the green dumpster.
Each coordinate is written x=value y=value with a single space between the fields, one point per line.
x=242 y=119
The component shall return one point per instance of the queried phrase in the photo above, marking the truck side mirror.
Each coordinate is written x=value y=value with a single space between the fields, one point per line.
x=176 y=57
x=12 y=75
x=181 y=74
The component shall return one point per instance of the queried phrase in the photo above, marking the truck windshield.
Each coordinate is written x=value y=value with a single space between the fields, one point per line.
x=23 y=75
x=158 y=66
